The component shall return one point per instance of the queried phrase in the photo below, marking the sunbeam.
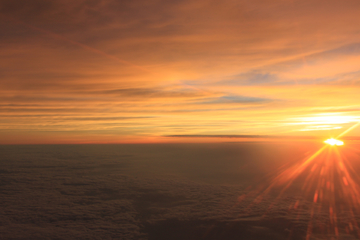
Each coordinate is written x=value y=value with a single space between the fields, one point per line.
x=327 y=179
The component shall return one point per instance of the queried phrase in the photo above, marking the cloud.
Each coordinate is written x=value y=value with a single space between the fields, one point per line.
x=252 y=78
x=152 y=93
x=233 y=99
x=148 y=192
x=181 y=61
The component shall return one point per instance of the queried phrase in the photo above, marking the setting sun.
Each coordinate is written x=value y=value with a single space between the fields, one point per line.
x=186 y=119
x=333 y=142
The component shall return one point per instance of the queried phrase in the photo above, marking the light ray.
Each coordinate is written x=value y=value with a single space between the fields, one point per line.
x=348 y=130
x=329 y=182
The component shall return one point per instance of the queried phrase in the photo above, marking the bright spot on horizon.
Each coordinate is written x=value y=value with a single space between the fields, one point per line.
x=333 y=142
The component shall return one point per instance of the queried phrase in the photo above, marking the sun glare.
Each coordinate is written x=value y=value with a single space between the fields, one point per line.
x=334 y=142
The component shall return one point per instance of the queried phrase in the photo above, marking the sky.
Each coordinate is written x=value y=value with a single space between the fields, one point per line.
x=107 y=71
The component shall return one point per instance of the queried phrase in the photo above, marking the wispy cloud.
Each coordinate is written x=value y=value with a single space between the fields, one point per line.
x=256 y=61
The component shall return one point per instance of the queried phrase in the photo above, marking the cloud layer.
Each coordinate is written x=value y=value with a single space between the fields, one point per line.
x=164 y=63
x=169 y=191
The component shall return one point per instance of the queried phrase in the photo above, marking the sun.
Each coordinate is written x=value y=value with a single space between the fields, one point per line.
x=333 y=141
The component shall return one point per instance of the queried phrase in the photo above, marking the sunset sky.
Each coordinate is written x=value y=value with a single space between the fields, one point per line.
x=107 y=71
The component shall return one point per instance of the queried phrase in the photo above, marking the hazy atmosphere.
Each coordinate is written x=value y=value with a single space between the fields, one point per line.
x=179 y=119
x=157 y=192
x=107 y=71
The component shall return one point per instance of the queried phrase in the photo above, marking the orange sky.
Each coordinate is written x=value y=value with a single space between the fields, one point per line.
x=136 y=71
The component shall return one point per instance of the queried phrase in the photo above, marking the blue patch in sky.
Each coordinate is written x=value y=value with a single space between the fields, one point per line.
x=235 y=99
x=350 y=49
x=252 y=78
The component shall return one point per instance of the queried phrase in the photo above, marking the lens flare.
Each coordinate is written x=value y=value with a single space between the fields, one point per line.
x=327 y=186
x=333 y=142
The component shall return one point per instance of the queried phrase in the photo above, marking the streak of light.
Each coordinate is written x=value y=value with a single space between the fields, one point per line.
x=348 y=130
x=328 y=182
